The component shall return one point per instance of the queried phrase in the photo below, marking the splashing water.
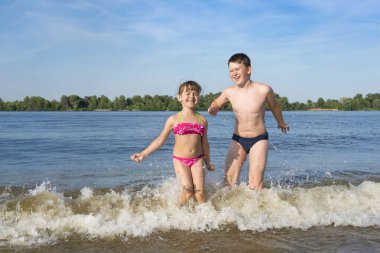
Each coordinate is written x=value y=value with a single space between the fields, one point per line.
x=44 y=215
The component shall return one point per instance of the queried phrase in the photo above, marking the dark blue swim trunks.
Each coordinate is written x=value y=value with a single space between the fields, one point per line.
x=247 y=143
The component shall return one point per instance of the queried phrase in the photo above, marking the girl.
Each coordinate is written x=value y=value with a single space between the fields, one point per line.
x=191 y=146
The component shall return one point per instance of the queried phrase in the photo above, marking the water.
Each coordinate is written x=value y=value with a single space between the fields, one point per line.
x=67 y=185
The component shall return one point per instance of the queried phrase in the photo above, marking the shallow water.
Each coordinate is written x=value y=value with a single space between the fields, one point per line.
x=67 y=185
x=321 y=239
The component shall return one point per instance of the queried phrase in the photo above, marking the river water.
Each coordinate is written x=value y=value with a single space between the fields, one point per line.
x=67 y=185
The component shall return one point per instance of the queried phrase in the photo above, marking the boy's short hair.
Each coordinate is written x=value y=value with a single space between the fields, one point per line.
x=240 y=58
x=190 y=85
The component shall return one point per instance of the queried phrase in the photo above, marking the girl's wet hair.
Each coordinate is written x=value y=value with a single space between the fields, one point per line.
x=240 y=58
x=191 y=86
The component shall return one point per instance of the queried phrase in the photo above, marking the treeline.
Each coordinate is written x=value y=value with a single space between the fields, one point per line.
x=358 y=103
x=167 y=103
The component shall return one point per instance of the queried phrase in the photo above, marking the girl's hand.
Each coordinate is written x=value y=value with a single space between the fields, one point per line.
x=210 y=167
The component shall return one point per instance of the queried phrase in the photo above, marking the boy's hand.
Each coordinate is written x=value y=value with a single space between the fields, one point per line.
x=138 y=157
x=284 y=127
x=212 y=110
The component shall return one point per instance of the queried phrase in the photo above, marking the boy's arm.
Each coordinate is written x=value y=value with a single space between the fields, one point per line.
x=276 y=111
x=206 y=149
x=218 y=103
x=155 y=144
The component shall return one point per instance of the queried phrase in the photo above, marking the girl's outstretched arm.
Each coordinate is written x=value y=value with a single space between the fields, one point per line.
x=156 y=143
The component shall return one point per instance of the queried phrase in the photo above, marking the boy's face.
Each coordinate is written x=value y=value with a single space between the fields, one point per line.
x=239 y=73
x=189 y=98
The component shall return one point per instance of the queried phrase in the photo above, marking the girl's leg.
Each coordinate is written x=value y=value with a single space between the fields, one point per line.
x=198 y=175
x=184 y=174
x=257 y=163
x=234 y=161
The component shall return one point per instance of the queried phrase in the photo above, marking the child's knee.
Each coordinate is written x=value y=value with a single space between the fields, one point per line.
x=188 y=191
x=230 y=179
x=200 y=195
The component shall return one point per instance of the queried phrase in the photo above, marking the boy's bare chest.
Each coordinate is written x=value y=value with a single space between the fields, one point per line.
x=247 y=101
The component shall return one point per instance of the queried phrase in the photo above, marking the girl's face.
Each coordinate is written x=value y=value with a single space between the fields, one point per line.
x=189 y=98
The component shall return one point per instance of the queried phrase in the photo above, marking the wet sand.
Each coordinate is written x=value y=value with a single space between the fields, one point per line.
x=321 y=239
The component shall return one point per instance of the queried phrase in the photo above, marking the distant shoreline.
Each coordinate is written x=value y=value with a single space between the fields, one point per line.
x=168 y=103
x=200 y=110
x=322 y=109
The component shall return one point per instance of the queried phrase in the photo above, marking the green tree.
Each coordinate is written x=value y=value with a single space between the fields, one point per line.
x=174 y=105
x=120 y=103
x=148 y=103
x=20 y=106
x=370 y=98
x=358 y=102
x=205 y=101
x=110 y=105
x=75 y=102
x=55 y=105
x=25 y=105
x=310 y=104
x=92 y=103
x=346 y=104
x=128 y=103
x=297 y=106
x=162 y=103
x=65 y=105
x=320 y=103
x=2 y=105
x=332 y=104
x=34 y=104
x=376 y=104
x=47 y=105
x=137 y=103
x=12 y=106
x=284 y=103
x=159 y=103
x=103 y=102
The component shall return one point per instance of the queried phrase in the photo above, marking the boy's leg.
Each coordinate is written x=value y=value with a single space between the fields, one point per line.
x=198 y=175
x=257 y=162
x=184 y=174
x=234 y=161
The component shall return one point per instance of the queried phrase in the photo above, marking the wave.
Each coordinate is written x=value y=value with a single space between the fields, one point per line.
x=43 y=214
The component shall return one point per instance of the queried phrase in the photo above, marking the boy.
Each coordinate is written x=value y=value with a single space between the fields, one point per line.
x=250 y=138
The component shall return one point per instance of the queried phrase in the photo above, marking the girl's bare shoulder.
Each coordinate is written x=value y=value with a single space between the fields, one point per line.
x=203 y=118
x=172 y=119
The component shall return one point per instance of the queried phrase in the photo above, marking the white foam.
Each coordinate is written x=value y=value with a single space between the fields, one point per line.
x=44 y=186
x=43 y=215
x=86 y=192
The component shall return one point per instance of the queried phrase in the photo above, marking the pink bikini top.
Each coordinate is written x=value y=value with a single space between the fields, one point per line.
x=189 y=128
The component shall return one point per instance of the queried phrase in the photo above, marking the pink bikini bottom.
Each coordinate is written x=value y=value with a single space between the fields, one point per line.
x=189 y=161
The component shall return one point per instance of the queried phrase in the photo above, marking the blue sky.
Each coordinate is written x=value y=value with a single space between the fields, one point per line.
x=304 y=49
